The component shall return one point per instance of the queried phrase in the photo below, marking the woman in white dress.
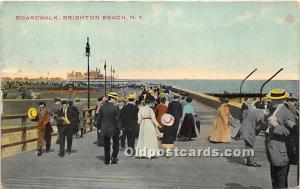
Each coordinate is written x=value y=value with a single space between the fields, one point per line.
x=147 y=145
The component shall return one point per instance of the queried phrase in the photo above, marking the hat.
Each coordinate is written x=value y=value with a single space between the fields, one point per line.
x=32 y=113
x=224 y=100
x=57 y=99
x=189 y=99
x=131 y=96
x=167 y=119
x=176 y=95
x=113 y=95
x=276 y=94
x=151 y=92
x=250 y=101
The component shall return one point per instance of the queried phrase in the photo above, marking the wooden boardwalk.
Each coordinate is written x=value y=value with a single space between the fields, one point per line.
x=84 y=167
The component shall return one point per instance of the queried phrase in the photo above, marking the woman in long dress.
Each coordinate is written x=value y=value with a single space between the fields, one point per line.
x=147 y=145
x=160 y=110
x=221 y=129
x=187 y=129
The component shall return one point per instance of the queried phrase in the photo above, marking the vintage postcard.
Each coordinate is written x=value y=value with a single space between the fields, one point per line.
x=148 y=94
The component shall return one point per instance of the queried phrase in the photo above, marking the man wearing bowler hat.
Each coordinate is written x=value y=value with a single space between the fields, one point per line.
x=280 y=124
x=109 y=119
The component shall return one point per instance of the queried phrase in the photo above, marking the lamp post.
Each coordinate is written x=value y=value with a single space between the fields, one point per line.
x=87 y=54
x=261 y=88
x=111 y=87
x=105 y=78
x=244 y=81
x=113 y=76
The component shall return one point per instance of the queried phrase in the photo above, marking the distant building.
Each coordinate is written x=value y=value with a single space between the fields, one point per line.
x=74 y=75
x=94 y=74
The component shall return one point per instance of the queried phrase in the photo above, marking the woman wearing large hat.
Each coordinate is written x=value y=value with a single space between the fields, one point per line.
x=221 y=129
x=167 y=141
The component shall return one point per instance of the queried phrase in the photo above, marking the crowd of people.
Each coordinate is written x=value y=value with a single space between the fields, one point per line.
x=155 y=117
x=152 y=117
x=277 y=116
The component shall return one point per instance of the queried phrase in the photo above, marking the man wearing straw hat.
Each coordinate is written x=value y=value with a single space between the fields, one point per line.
x=280 y=124
x=130 y=126
x=109 y=119
x=44 y=129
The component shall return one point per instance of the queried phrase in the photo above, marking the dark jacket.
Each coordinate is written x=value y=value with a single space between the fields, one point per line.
x=130 y=117
x=109 y=119
x=175 y=109
x=72 y=115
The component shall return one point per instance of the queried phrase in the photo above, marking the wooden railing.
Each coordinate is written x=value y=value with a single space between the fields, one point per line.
x=87 y=114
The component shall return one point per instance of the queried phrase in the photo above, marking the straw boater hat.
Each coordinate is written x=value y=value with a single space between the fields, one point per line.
x=113 y=95
x=131 y=96
x=32 y=113
x=276 y=94
x=167 y=119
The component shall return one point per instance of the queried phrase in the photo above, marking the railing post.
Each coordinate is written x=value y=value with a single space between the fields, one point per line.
x=24 y=133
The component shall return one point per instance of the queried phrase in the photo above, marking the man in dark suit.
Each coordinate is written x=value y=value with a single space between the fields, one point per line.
x=68 y=118
x=175 y=109
x=129 y=122
x=109 y=119
x=55 y=110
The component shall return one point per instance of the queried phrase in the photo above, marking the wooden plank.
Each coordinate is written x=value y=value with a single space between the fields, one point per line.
x=17 y=129
x=21 y=142
x=19 y=116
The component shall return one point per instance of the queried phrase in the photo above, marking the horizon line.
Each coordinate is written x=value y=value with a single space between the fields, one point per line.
x=291 y=79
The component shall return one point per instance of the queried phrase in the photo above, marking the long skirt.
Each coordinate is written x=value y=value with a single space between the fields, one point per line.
x=169 y=136
x=188 y=127
x=147 y=144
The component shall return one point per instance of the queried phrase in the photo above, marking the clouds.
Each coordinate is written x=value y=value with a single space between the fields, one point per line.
x=174 y=39
x=263 y=15
x=161 y=13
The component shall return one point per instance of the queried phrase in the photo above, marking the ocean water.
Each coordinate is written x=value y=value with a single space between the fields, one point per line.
x=232 y=86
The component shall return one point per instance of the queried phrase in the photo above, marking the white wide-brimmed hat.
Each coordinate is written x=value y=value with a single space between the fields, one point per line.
x=167 y=119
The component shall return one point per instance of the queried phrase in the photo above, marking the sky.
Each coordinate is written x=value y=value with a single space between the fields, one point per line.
x=171 y=40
